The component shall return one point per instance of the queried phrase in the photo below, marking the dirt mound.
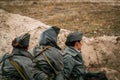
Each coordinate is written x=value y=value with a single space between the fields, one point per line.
x=101 y=53
x=12 y=25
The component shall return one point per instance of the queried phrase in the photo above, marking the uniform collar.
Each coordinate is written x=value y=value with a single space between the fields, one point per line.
x=21 y=52
x=72 y=51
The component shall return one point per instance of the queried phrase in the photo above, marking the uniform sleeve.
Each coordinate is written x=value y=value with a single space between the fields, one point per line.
x=58 y=65
x=40 y=75
x=68 y=65
x=56 y=60
x=27 y=68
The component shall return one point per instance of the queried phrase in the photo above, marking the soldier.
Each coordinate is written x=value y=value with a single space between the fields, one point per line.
x=18 y=65
x=48 y=55
x=74 y=68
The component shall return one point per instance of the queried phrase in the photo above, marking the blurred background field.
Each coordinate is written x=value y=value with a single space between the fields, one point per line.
x=92 y=17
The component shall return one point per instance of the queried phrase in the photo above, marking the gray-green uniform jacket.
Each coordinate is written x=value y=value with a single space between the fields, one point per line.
x=54 y=55
x=24 y=59
x=73 y=64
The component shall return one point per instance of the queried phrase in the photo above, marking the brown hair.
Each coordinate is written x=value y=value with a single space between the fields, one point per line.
x=16 y=44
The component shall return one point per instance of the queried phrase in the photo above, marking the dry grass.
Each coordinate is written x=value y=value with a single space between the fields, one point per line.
x=93 y=19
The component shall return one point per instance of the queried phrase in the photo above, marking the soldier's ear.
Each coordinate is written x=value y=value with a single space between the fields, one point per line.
x=76 y=44
x=27 y=47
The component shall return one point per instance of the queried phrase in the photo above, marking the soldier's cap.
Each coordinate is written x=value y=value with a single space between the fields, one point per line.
x=54 y=30
x=22 y=40
x=74 y=36
x=49 y=36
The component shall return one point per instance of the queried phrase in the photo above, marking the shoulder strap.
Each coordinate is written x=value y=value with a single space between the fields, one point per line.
x=46 y=58
x=42 y=51
x=18 y=68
